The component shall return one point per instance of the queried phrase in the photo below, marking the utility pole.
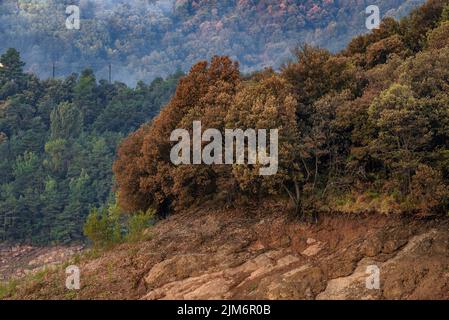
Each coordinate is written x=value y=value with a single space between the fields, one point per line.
x=53 y=70
x=110 y=73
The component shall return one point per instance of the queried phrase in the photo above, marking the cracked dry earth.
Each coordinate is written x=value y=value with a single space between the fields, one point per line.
x=228 y=254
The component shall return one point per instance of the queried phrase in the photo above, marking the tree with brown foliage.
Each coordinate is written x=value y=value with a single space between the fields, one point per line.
x=199 y=96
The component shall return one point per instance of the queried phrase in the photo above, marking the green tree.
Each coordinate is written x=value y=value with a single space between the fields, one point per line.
x=86 y=96
x=66 y=122
x=403 y=132
x=12 y=78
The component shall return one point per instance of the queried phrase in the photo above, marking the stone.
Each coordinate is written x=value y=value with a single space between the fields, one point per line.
x=313 y=250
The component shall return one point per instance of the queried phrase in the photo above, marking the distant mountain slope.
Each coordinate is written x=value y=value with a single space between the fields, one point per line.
x=148 y=38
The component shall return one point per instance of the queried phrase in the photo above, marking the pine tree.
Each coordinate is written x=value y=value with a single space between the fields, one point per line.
x=12 y=78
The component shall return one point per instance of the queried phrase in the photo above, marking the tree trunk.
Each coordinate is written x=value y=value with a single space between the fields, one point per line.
x=295 y=198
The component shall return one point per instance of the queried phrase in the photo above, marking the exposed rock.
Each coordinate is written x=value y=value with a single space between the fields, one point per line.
x=313 y=250
x=352 y=286
x=176 y=268
x=229 y=254
x=418 y=270
x=214 y=285
x=18 y=261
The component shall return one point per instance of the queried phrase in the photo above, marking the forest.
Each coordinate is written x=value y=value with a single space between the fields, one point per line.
x=365 y=130
x=144 y=39
x=58 y=139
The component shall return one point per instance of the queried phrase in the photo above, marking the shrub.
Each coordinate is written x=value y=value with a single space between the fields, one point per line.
x=429 y=192
x=109 y=226
x=102 y=227
x=138 y=223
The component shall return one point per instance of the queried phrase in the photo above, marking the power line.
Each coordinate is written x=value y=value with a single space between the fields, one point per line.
x=97 y=67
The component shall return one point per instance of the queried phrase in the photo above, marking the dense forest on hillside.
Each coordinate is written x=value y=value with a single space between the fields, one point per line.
x=57 y=144
x=143 y=39
x=364 y=130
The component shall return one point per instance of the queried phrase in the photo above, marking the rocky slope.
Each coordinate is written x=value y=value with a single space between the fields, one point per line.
x=20 y=260
x=228 y=254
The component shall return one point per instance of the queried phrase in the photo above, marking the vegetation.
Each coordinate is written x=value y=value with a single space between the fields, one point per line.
x=109 y=226
x=144 y=39
x=366 y=129
x=57 y=144
x=8 y=289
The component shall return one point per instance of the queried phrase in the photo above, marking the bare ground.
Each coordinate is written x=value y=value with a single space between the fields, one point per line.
x=17 y=261
x=244 y=254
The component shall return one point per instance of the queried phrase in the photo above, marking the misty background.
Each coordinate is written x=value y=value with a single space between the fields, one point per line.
x=144 y=39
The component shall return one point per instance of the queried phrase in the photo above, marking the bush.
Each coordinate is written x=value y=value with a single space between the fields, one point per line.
x=429 y=192
x=138 y=223
x=103 y=227
x=109 y=226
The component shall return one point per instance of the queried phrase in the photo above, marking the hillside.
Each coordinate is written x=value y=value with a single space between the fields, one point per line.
x=58 y=140
x=255 y=254
x=144 y=39
x=341 y=165
x=365 y=129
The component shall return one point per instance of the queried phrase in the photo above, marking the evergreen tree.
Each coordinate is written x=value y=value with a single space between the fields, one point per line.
x=12 y=78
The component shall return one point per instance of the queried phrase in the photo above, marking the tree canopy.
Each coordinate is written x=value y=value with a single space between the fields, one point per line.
x=57 y=144
x=144 y=39
x=362 y=130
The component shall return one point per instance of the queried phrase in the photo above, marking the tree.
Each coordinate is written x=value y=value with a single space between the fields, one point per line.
x=26 y=188
x=379 y=52
x=128 y=172
x=145 y=176
x=12 y=78
x=71 y=220
x=52 y=202
x=316 y=72
x=66 y=122
x=429 y=192
x=270 y=105
x=414 y=28
x=103 y=227
x=438 y=38
x=86 y=95
x=403 y=132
